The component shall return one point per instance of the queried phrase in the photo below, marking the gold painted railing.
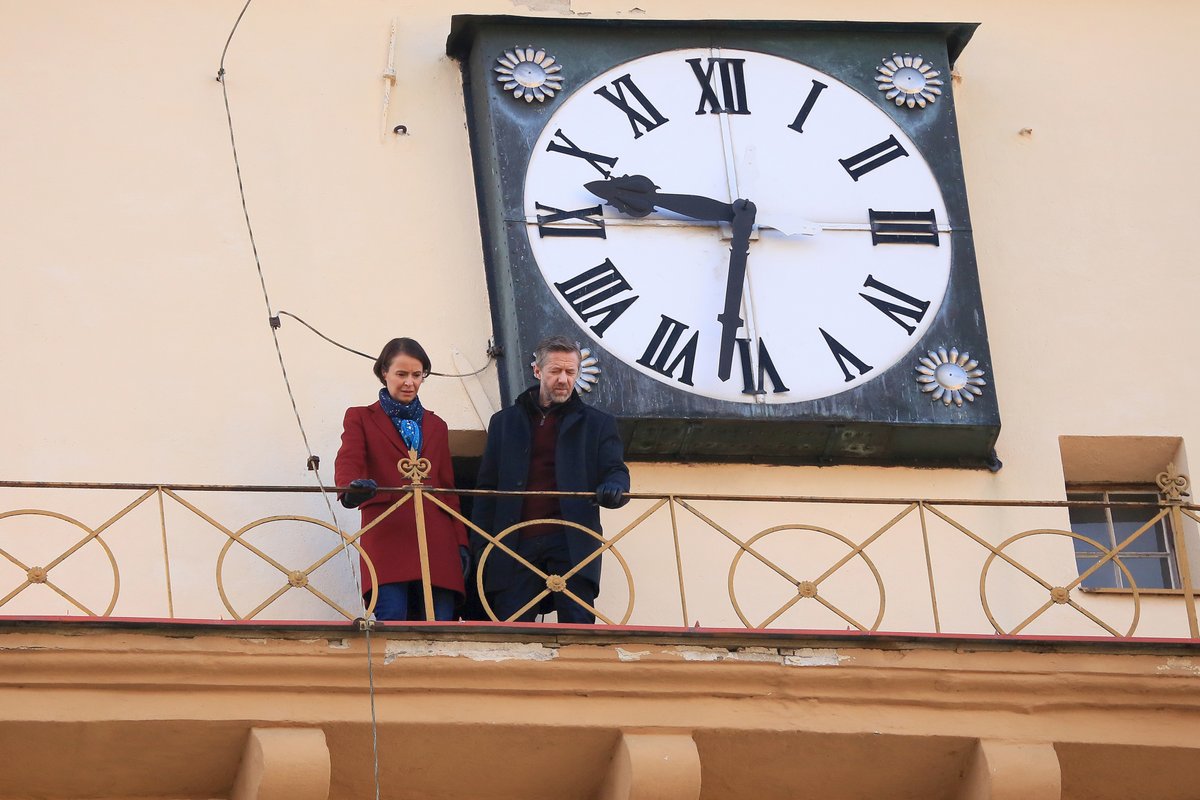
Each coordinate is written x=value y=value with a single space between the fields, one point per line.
x=909 y=550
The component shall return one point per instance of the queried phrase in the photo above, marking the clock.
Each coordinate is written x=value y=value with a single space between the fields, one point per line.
x=769 y=256
x=800 y=292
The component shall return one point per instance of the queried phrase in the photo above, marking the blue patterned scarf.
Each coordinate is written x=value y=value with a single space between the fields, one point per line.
x=405 y=416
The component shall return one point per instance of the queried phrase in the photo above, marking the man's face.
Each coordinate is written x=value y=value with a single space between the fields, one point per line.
x=557 y=376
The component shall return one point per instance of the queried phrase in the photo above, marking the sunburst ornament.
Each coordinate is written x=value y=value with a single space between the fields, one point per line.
x=909 y=80
x=529 y=74
x=951 y=377
x=589 y=371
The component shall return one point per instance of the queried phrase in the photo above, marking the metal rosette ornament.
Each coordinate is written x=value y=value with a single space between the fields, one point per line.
x=909 y=80
x=529 y=73
x=951 y=376
x=589 y=371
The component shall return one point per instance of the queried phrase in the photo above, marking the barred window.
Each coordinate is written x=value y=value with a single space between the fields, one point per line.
x=1150 y=558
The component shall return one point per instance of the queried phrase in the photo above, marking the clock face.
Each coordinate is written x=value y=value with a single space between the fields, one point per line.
x=778 y=238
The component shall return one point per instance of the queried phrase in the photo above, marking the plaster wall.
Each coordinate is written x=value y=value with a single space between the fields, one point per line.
x=137 y=346
x=134 y=713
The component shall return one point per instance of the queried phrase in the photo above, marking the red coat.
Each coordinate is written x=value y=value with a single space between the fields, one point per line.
x=371 y=448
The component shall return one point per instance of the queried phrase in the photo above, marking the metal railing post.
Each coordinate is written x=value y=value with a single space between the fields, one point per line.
x=1174 y=488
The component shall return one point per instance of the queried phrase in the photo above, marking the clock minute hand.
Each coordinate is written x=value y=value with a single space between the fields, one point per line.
x=730 y=318
x=637 y=196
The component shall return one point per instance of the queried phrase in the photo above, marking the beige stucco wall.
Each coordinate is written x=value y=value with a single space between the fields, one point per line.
x=153 y=711
x=136 y=346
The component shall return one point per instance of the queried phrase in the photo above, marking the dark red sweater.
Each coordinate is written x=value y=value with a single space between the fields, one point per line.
x=542 y=476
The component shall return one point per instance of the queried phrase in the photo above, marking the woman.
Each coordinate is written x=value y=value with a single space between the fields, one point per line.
x=374 y=439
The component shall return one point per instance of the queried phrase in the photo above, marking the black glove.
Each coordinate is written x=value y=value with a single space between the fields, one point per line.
x=465 y=555
x=610 y=495
x=366 y=490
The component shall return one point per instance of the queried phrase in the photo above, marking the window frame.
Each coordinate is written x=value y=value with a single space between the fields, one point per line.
x=1107 y=502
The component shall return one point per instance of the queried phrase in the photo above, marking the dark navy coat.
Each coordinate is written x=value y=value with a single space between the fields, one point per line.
x=589 y=453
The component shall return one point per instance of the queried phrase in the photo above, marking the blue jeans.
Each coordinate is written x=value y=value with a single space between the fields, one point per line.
x=406 y=601
x=548 y=553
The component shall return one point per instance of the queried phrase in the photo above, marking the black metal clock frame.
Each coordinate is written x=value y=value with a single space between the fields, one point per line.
x=887 y=420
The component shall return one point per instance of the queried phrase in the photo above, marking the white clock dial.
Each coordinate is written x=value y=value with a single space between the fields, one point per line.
x=849 y=250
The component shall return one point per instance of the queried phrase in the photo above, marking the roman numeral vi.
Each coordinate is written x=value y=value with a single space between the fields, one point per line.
x=766 y=370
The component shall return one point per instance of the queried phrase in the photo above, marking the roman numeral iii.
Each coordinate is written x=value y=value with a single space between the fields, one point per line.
x=589 y=290
x=643 y=119
x=730 y=74
x=903 y=227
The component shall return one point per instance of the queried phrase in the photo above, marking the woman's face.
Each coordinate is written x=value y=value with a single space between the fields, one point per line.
x=403 y=378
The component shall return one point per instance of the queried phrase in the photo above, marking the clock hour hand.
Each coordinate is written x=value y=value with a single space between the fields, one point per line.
x=731 y=317
x=637 y=196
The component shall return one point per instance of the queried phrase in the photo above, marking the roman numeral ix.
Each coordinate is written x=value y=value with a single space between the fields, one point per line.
x=548 y=224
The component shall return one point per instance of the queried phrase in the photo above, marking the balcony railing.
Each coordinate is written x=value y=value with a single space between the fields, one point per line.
x=761 y=562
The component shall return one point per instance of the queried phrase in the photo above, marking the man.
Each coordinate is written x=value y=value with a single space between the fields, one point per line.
x=548 y=440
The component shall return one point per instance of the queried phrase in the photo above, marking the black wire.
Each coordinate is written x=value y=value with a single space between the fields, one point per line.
x=323 y=336
x=238 y=21
x=372 y=358
x=258 y=264
x=279 y=353
x=262 y=281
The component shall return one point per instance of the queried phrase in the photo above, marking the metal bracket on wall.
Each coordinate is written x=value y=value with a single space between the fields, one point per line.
x=389 y=82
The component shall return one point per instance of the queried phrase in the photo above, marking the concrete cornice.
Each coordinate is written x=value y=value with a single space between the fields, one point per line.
x=914 y=710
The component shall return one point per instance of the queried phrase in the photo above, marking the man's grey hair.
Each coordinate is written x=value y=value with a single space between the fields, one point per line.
x=554 y=344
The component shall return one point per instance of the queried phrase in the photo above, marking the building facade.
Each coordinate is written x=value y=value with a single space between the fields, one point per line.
x=856 y=617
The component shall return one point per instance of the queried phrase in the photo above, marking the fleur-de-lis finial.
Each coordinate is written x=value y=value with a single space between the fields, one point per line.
x=414 y=468
x=1173 y=485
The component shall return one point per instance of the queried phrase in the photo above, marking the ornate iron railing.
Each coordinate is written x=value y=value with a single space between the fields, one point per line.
x=1040 y=573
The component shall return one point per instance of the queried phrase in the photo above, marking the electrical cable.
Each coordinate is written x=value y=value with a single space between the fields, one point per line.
x=287 y=382
x=335 y=343
x=367 y=625
x=262 y=281
x=323 y=336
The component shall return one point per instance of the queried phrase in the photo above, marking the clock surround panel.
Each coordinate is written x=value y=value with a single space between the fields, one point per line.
x=882 y=417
